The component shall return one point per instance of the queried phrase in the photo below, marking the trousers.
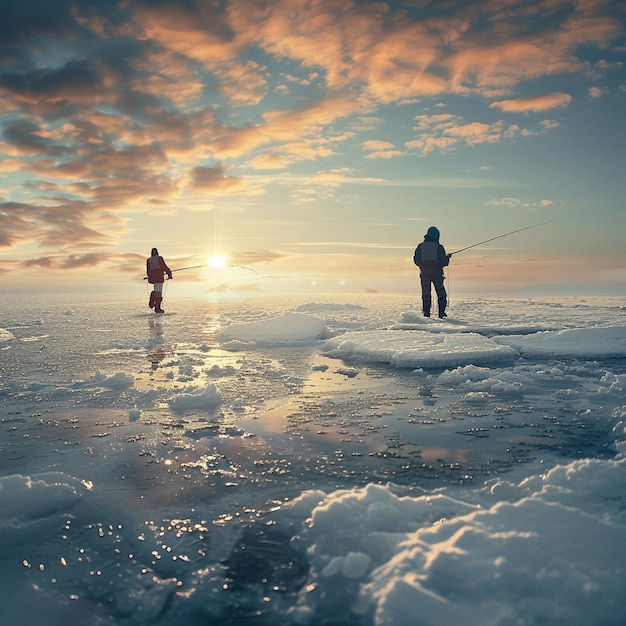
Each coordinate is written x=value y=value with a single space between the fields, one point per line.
x=433 y=280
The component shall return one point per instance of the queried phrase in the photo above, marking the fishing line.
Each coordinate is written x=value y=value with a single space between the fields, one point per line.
x=519 y=230
x=512 y=232
x=193 y=267
x=243 y=267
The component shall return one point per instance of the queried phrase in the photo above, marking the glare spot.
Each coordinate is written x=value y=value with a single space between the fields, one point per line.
x=216 y=262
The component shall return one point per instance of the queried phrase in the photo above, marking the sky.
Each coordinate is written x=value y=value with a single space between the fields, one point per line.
x=311 y=143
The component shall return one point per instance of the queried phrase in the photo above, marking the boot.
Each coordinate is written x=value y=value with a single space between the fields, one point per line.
x=157 y=305
x=442 y=307
x=426 y=308
x=151 y=303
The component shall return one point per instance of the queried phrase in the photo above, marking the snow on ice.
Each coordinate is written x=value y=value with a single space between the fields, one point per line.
x=345 y=463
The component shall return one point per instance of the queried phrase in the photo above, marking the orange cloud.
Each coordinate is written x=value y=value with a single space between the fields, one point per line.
x=597 y=92
x=533 y=104
x=444 y=132
x=242 y=83
x=196 y=35
x=381 y=150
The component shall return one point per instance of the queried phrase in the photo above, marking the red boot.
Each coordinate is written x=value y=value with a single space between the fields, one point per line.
x=157 y=304
x=152 y=298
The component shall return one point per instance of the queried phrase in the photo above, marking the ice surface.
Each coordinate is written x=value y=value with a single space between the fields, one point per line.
x=295 y=462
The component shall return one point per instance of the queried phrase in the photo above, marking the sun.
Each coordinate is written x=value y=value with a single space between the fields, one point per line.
x=216 y=262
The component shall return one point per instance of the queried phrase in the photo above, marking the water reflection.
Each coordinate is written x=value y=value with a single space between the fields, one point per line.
x=157 y=353
x=155 y=356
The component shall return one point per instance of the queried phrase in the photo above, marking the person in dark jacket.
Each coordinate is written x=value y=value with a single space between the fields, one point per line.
x=430 y=256
x=156 y=269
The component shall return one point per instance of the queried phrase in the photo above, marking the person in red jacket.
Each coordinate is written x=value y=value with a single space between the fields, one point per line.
x=157 y=268
x=430 y=256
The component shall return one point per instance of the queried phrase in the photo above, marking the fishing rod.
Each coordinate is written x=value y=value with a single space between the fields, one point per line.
x=182 y=269
x=193 y=267
x=519 y=230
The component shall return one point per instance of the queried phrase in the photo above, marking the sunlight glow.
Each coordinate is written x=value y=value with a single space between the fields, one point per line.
x=216 y=262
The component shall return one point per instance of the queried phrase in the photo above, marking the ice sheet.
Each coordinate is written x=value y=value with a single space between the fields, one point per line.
x=313 y=462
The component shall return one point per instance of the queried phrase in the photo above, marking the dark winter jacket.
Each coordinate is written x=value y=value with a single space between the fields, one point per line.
x=430 y=256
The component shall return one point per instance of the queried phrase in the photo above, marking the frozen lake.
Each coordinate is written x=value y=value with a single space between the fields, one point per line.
x=312 y=461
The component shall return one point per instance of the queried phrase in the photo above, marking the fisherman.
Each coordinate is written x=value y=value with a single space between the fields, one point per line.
x=156 y=268
x=430 y=256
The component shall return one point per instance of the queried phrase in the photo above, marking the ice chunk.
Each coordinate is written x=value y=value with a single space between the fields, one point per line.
x=208 y=397
x=577 y=343
x=417 y=348
x=286 y=329
x=6 y=335
x=30 y=506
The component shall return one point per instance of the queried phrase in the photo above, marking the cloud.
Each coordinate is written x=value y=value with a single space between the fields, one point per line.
x=49 y=225
x=322 y=185
x=75 y=80
x=273 y=161
x=396 y=55
x=533 y=104
x=214 y=179
x=444 y=132
x=549 y=124
x=129 y=263
x=16 y=223
x=597 y=92
x=201 y=35
x=107 y=110
x=72 y=261
x=381 y=150
x=516 y=202
x=29 y=138
x=257 y=256
x=242 y=83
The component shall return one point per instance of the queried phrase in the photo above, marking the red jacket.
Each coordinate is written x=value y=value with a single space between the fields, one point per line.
x=156 y=268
